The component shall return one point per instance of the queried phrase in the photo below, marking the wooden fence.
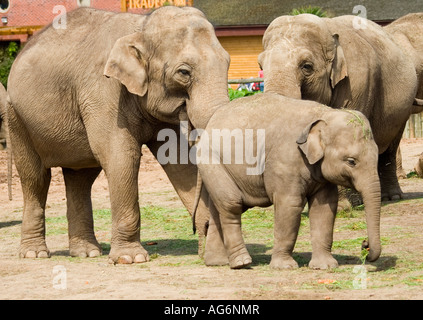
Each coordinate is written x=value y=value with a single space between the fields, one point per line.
x=414 y=126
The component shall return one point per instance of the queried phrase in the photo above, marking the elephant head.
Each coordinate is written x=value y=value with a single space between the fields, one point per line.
x=302 y=59
x=170 y=63
x=343 y=151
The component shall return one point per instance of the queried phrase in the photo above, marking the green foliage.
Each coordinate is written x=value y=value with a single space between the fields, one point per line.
x=412 y=174
x=318 y=11
x=234 y=94
x=7 y=56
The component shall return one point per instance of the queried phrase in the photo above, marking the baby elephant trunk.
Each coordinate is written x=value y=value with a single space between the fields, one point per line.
x=370 y=192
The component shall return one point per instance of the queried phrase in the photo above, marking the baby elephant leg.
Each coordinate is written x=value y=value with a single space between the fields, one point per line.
x=237 y=252
x=215 y=251
x=287 y=223
x=322 y=211
x=227 y=200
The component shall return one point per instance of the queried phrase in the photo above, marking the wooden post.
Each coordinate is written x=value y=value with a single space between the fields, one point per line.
x=412 y=127
x=123 y=7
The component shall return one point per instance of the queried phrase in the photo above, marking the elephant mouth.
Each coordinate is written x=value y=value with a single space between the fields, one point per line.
x=182 y=111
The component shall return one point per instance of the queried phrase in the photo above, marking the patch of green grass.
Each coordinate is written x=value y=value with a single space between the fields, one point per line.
x=56 y=225
x=355 y=225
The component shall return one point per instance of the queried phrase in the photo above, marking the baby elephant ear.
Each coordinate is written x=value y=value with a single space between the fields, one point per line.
x=310 y=141
x=127 y=64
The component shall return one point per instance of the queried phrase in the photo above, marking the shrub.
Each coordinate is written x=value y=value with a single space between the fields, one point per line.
x=318 y=11
x=233 y=94
x=7 y=56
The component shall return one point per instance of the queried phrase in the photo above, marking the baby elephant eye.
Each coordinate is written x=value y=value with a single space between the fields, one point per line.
x=351 y=162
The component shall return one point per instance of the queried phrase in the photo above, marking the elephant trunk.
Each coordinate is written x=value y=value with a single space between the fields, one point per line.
x=201 y=110
x=207 y=95
x=371 y=194
x=285 y=84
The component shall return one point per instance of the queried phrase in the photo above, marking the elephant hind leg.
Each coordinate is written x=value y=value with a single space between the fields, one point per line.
x=82 y=241
x=387 y=167
x=227 y=200
x=35 y=188
x=35 y=180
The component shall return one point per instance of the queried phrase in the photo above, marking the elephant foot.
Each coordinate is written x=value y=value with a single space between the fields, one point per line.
x=133 y=253
x=323 y=262
x=391 y=194
x=34 y=251
x=240 y=259
x=84 y=248
x=283 y=262
x=215 y=259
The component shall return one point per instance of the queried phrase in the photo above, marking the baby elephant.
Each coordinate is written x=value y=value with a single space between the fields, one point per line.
x=302 y=151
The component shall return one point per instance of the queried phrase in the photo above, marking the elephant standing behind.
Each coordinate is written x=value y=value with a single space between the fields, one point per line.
x=407 y=32
x=87 y=97
x=345 y=62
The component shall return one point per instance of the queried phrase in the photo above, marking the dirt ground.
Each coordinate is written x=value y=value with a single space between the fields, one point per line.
x=63 y=277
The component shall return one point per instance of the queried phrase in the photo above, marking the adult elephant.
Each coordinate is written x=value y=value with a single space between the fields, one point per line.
x=407 y=32
x=345 y=62
x=85 y=98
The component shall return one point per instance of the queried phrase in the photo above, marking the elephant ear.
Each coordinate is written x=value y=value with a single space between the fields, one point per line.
x=127 y=64
x=310 y=141
x=339 y=64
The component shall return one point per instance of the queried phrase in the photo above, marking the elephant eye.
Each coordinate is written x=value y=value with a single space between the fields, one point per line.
x=184 y=72
x=351 y=162
x=307 y=68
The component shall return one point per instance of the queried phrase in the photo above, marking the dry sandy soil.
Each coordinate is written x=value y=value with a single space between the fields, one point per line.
x=96 y=279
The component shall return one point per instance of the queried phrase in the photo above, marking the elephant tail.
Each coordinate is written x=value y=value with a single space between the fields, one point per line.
x=198 y=189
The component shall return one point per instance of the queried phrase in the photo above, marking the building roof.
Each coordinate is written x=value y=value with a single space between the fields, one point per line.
x=262 y=12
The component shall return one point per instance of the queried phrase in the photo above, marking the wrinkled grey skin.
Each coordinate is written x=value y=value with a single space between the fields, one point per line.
x=309 y=149
x=87 y=97
x=329 y=61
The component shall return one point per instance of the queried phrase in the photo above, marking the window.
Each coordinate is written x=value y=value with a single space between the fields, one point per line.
x=4 y=5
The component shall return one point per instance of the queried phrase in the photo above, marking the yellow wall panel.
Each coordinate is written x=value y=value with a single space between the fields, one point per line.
x=244 y=51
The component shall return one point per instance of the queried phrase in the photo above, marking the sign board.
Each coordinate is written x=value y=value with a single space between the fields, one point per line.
x=153 y=4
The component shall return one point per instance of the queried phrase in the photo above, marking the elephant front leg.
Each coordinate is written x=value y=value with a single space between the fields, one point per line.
x=287 y=223
x=322 y=211
x=122 y=174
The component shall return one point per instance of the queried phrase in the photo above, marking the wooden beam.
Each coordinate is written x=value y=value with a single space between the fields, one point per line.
x=123 y=6
x=30 y=30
